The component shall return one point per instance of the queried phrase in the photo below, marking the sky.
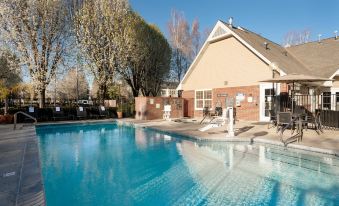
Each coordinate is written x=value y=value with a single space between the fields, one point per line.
x=269 y=18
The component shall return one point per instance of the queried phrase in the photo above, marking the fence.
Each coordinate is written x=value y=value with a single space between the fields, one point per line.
x=69 y=106
x=327 y=104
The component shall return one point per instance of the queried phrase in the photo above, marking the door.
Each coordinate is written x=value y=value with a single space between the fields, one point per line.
x=266 y=101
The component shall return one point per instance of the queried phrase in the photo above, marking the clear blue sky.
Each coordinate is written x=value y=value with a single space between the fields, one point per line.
x=270 y=18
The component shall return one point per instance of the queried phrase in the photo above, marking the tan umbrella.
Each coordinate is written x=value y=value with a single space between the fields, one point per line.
x=296 y=78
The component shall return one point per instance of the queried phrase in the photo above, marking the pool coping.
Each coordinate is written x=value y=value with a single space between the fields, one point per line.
x=237 y=139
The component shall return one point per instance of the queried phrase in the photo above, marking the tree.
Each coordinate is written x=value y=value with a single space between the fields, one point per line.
x=297 y=37
x=38 y=31
x=181 y=44
x=99 y=25
x=133 y=53
x=74 y=85
x=185 y=42
x=196 y=39
x=145 y=56
x=157 y=63
x=9 y=75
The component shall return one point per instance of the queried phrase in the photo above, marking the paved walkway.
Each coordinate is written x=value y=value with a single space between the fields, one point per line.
x=327 y=142
x=20 y=173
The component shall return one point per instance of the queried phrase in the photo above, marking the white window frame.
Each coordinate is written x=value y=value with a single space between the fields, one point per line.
x=195 y=98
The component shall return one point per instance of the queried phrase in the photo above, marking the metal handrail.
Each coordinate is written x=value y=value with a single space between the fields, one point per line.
x=25 y=114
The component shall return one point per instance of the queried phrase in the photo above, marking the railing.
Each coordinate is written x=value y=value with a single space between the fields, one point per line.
x=25 y=114
x=327 y=104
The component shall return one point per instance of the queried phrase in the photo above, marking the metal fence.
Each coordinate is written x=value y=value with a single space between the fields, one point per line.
x=327 y=104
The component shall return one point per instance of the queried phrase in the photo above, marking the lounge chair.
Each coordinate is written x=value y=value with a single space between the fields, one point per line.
x=216 y=122
x=33 y=112
x=81 y=113
x=103 y=112
x=58 y=113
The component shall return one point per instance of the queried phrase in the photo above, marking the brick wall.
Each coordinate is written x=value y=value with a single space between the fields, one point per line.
x=283 y=88
x=149 y=108
x=188 y=97
x=246 y=110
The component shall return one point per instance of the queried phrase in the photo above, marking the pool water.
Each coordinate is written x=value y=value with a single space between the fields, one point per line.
x=110 y=164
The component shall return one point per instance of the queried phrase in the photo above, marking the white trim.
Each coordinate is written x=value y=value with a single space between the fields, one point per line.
x=203 y=48
x=210 y=38
x=195 y=99
x=335 y=74
x=262 y=88
x=334 y=90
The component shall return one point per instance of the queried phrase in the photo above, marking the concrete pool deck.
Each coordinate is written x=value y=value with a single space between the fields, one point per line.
x=327 y=142
x=20 y=173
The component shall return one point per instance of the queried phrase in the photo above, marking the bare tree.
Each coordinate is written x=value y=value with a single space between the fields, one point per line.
x=297 y=37
x=74 y=85
x=181 y=43
x=195 y=38
x=185 y=41
x=38 y=32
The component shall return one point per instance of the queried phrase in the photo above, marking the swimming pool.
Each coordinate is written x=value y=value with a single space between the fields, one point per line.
x=111 y=164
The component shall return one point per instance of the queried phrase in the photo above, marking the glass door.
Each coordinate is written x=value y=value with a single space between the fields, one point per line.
x=269 y=95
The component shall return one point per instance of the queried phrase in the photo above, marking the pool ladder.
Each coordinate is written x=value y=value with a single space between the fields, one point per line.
x=25 y=114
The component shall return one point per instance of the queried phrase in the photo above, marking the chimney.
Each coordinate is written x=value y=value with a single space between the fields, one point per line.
x=335 y=34
x=319 y=38
x=230 y=21
x=266 y=45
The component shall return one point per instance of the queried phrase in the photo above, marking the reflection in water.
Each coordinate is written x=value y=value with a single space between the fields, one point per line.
x=109 y=164
x=255 y=174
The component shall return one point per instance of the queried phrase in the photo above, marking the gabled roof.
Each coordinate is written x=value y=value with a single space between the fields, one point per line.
x=274 y=52
x=322 y=58
x=314 y=58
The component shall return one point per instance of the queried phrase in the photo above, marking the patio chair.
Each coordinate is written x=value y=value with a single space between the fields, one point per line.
x=81 y=113
x=33 y=112
x=216 y=122
x=284 y=120
x=58 y=113
x=315 y=121
x=167 y=112
x=205 y=113
x=273 y=119
x=103 y=112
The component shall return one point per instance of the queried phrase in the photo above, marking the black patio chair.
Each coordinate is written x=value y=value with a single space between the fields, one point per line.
x=273 y=119
x=32 y=111
x=58 y=113
x=103 y=112
x=205 y=113
x=81 y=113
x=284 y=120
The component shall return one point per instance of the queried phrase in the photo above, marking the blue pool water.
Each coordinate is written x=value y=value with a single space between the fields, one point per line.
x=111 y=164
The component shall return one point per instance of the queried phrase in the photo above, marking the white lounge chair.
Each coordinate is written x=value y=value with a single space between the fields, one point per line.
x=216 y=122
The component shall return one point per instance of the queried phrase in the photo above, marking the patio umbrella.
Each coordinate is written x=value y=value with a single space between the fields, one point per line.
x=296 y=78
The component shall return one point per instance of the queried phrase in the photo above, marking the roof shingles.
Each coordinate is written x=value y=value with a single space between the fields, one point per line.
x=321 y=59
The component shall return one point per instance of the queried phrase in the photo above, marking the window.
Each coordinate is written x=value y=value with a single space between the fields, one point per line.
x=327 y=100
x=203 y=98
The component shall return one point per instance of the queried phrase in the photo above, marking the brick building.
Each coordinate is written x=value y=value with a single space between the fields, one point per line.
x=233 y=61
